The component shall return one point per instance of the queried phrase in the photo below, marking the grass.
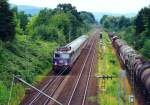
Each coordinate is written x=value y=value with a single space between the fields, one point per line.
x=108 y=64
x=29 y=59
x=40 y=77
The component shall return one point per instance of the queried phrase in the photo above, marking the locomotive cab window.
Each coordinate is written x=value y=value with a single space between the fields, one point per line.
x=71 y=54
x=65 y=56
x=57 y=55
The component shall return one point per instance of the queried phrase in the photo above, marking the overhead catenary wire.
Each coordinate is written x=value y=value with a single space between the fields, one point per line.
x=20 y=79
x=49 y=83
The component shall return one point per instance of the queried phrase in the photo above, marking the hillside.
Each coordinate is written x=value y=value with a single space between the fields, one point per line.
x=28 y=9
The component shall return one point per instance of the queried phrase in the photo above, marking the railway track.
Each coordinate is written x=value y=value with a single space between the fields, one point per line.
x=78 y=90
x=49 y=89
x=48 y=83
x=68 y=89
x=78 y=95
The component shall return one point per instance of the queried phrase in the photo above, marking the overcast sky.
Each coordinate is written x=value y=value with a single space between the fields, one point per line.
x=112 y=6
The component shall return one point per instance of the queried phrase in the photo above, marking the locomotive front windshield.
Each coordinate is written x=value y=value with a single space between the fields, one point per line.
x=65 y=56
x=57 y=55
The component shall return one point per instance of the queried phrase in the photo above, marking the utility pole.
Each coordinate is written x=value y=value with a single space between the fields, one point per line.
x=119 y=90
x=12 y=84
x=121 y=78
x=124 y=84
x=131 y=97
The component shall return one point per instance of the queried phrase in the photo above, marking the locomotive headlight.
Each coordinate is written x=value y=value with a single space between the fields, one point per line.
x=66 y=63
x=55 y=63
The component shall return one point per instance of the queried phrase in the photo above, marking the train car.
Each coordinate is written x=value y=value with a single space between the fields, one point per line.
x=65 y=56
x=111 y=34
x=135 y=64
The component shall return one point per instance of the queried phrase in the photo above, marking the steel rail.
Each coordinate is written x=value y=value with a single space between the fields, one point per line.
x=53 y=92
x=89 y=75
x=49 y=83
x=38 y=90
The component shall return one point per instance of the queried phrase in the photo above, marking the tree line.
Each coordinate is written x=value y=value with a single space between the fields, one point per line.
x=50 y=24
x=135 y=30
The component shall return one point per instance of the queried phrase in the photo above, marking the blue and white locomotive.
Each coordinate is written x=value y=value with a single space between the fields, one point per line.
x=65 y=56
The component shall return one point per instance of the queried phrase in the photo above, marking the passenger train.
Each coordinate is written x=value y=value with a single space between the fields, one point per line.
x=65 y=56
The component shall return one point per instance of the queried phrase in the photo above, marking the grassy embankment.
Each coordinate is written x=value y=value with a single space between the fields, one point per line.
x=29 y=59
x=108 y=64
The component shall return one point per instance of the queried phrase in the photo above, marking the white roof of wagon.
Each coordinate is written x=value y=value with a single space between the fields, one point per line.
x=74 y=45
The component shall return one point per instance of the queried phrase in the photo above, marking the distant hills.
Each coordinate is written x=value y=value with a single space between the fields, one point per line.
x=98 y=15
x=27 y=9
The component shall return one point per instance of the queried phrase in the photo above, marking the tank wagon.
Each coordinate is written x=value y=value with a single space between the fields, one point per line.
x=136 y=65
x=65 y=56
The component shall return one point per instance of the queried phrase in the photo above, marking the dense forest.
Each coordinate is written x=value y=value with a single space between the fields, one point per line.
x=136 y=30
x=27 y=43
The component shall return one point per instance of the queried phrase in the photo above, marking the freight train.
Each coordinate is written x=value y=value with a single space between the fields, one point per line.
x=136 y=65
x=65 y=56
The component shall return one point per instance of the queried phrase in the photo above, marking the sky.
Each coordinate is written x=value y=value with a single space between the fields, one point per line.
x=111 y=6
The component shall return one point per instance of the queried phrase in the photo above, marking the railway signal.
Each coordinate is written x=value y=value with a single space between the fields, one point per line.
x=104 y=78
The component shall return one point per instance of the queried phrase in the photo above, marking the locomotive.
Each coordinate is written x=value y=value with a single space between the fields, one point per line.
x=136 y=65
x=65 y=56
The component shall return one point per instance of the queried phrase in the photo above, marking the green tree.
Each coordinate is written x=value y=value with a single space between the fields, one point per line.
x=142 y=21
x=23 y=18
x=69 y=8
x=113 y=23
x=17 y=21
x=142 y=27
x=87 y=17
x=103 y=19
x=76 y=21
x=62 y=22
x=146 y=48
x=48 y=27
x=7 y=23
